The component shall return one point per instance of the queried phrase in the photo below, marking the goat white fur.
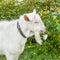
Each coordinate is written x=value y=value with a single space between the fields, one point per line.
x=12 y=42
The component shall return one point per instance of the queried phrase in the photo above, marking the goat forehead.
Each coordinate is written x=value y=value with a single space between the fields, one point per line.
x=34 y=17
x=31 y=15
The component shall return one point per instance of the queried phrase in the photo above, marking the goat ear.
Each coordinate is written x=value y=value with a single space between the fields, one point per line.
x=26 y=18
x=34 y=11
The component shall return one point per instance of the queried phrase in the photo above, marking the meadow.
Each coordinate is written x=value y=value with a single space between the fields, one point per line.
x=49 y=11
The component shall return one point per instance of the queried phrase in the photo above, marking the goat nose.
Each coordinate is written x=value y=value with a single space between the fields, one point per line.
x=41 y=31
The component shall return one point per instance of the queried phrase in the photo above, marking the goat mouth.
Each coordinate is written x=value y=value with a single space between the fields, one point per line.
x=31 y=31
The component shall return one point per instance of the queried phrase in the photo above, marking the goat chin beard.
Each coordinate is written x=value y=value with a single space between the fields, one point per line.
x=38 y=38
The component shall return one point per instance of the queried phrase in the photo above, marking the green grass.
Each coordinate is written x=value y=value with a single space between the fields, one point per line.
x=50 y=50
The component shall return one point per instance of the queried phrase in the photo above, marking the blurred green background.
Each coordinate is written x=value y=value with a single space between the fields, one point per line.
x=49 y=11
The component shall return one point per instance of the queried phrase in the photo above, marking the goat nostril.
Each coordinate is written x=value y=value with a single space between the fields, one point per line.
x=31 y=31
x=41 y=31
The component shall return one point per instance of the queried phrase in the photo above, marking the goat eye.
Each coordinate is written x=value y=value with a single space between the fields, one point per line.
x=36 y=22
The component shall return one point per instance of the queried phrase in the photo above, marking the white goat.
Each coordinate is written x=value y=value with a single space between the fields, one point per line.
x=14 y=34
